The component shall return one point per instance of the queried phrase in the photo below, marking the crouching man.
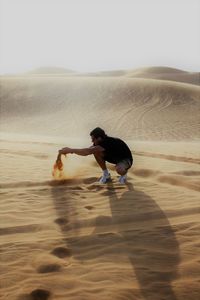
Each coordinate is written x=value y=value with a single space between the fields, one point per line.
x=105 y=149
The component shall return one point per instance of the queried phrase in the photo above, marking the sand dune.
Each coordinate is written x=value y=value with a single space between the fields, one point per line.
x=143 y=109
x=164 y=73
x=160 y=73
x=69 y=237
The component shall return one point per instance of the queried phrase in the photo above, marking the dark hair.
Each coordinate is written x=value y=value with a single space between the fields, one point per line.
x=98 y=132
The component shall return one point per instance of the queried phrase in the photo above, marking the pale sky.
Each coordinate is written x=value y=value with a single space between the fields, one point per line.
x=92 y=35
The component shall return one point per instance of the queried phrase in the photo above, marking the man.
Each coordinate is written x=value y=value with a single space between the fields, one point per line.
x=105 y=149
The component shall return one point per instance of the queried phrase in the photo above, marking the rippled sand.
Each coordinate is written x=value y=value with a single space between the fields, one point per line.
x=71 y=238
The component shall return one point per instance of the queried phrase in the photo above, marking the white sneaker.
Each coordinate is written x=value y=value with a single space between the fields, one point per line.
x=122 y=179
x=105 y=178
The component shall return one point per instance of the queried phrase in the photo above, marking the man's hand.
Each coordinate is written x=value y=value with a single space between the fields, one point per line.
x=65 y=150
x=61 y=152
x=59 y=164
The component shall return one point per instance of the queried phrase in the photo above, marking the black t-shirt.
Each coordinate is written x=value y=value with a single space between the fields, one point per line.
x=115 y=150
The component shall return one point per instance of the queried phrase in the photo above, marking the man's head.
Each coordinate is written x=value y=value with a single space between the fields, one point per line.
x=97 y=135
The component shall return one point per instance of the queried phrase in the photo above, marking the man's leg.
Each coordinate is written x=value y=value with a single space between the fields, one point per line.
x=101 y=162
x=122 y=169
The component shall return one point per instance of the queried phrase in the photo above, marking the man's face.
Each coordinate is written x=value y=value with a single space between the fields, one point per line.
x=96 y=141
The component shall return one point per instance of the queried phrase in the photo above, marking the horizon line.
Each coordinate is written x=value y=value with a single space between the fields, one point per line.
x=28 y=71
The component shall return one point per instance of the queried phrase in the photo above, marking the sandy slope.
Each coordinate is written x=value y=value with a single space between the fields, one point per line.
x=141 y=109
x=161 y=73
x=75 y=239
x=165 y=73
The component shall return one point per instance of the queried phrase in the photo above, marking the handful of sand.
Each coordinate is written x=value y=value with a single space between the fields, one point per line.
x=57 y=171
x=66 y=170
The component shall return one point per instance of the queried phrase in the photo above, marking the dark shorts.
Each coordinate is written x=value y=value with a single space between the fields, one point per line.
x=125 y=163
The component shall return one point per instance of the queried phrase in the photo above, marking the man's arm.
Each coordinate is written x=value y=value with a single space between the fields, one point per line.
x=82 y=151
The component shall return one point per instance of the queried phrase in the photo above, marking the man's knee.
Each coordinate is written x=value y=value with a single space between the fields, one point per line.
x=120 y=169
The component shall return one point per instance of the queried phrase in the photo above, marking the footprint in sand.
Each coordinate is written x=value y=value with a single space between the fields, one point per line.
x=37 y=294
x=61 y=252
x=48 y=268
x=89 y=207
x=40 y=294
x=61 y=221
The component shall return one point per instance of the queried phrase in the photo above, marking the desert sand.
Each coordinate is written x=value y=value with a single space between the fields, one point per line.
x=71 y=238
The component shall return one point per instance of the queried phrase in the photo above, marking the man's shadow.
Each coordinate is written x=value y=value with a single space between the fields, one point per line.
x=139 y=229
x=153 y=248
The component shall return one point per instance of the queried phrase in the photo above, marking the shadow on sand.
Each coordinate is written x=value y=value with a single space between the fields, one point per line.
x=137 y=229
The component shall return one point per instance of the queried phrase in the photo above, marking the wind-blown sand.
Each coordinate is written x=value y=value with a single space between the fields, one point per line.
x=72 y=238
